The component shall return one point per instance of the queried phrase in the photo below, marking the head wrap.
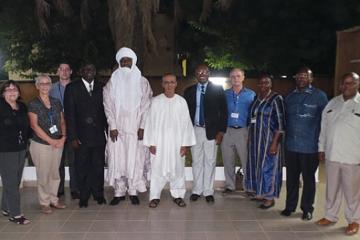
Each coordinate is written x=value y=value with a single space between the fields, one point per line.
x=126 y=83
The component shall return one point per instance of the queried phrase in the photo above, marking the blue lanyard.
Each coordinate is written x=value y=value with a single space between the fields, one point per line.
x=50 y=112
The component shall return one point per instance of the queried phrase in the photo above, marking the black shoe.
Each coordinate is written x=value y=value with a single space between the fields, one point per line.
x=83 y=203
x=267 y=206
x=101 y=200
x=286 y=212
x=75 y=195
x=307 y=216
x=117 y=200
x=60 y=194
x=134 y=200
x=194 y=197
x=227 y=191
x=210 y=199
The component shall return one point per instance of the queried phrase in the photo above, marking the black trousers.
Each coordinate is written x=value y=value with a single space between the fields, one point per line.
x=306 y=165
x=89 y=167
x=69 y=155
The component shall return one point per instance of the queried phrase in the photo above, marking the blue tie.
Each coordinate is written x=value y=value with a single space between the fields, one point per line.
x=201 y=115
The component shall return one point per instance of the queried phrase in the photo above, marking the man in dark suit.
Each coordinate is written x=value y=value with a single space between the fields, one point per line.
x=208 y=112
x=86 y=126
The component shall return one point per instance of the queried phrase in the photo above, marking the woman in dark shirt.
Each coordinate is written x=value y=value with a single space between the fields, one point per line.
x=14 y=127
x=47 y=121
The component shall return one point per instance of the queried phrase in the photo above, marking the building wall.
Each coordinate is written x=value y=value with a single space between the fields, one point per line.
x=347 y=54
x=283 y=86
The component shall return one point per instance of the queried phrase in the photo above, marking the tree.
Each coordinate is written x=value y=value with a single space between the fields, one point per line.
x=65 y=38
x=272 y=36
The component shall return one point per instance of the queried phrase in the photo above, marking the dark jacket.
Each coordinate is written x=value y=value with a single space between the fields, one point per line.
x=215 y=108
x=84 y=114
x=14 y=127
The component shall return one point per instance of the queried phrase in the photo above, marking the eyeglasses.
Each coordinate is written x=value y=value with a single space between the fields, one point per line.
x=44 y=84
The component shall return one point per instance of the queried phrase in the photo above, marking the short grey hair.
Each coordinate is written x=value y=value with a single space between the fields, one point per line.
x=353 y=75
x=237 y=69
x=38 y=78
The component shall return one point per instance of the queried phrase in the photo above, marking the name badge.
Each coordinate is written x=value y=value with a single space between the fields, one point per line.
x=53 y=129
x=234 y=115
x=253 y=120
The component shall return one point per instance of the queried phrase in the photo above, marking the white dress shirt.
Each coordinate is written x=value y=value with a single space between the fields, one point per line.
x=89 y=86
x=340 y=130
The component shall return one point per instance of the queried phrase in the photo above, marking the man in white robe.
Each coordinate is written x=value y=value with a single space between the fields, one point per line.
x=127 y=98
x=168 y=134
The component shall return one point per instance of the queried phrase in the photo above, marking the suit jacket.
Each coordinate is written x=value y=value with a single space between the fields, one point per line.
x=84 y=114
x=215 y=108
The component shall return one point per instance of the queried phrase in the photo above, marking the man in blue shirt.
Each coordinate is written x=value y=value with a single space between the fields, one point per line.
x=303 y=107
x=57 y=91
x=235 y=139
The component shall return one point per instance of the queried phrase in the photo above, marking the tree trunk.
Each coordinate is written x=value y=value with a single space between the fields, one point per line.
x=130 y=23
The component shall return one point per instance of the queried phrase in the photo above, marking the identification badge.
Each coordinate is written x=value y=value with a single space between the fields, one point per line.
x=234 y=115
x=53 y=129
x=253 y=120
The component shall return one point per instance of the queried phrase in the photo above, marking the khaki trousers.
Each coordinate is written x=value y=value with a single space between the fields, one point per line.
x=342 y=181
x=203 y=163
x=46 y=160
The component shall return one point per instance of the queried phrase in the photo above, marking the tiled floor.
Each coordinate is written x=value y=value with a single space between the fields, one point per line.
x=230 y=217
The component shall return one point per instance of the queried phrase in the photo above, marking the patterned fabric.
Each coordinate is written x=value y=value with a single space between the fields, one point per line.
x=47 y=117
x=263 y=174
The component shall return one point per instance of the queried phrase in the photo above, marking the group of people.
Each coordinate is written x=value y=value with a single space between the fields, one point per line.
x=144 y=138
x=296 y=132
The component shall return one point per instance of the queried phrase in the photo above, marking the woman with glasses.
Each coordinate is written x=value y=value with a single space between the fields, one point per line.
x=47 y=121
x=14 y=127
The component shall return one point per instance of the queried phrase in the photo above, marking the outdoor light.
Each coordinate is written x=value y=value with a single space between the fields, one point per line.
x=283 y=76
x=218 y=80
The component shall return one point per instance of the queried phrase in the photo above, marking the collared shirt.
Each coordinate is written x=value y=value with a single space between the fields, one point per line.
x=340 y=130
x=89 y=86
x=57 y=91
x=303 y=116
x=238 y=106
x=198 y=96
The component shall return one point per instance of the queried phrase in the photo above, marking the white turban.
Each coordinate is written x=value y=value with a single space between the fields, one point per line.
x=126 y=83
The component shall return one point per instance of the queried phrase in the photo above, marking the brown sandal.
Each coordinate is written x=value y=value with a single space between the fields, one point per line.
x=180 y=202
x=154 y=203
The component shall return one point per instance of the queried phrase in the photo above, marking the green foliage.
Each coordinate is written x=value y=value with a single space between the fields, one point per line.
x=222 y=61
x=26 y=48
x=272 y=36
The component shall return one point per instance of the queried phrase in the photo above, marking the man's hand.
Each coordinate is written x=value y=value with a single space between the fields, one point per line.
x=183 y=151
x=322 y=156
x=76 y=144
x=152 y=150
x=218 y=138
x=113 y=135
x=140 y=134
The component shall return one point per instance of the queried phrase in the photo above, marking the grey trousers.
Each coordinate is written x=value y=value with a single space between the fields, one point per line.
x=342 y=180
x=234 y=141
x=11 y=169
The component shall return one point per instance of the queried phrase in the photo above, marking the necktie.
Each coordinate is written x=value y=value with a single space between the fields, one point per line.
x=90 y=89
x=201 y=115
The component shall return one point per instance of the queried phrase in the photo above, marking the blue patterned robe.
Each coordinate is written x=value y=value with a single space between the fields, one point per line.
x=263 y=174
